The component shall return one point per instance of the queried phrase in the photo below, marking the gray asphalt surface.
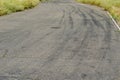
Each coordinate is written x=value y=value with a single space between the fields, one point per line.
x=59 y=40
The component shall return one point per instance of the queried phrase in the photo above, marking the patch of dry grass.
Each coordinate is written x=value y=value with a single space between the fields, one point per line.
x=113 y=6
x=9 y=6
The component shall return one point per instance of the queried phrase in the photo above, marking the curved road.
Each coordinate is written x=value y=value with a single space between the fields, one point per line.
x=59 y=40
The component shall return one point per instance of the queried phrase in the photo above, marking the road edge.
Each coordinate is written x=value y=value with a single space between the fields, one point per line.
x=113 y=21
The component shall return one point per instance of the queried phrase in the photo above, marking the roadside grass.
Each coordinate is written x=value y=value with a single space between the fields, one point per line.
x=113 y=6
x=9 y=6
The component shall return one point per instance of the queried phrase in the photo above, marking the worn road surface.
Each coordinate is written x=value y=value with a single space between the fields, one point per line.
x=59 y=40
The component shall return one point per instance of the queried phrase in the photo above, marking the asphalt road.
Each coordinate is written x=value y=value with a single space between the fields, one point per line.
x=59 y=40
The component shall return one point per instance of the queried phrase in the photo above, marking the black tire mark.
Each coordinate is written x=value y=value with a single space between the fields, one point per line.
x=66 y=36
x=106 y=42
x=107 y=37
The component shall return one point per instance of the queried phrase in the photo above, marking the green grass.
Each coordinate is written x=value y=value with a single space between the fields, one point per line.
x=113 y=6
x=9 y=6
